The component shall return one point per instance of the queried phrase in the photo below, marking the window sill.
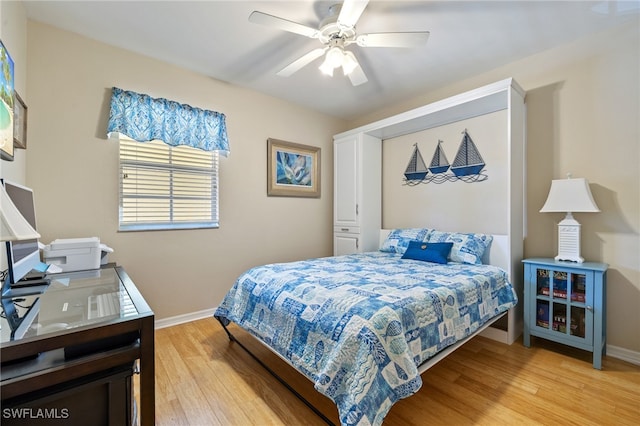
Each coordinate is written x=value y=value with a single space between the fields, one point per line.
x=167 y=226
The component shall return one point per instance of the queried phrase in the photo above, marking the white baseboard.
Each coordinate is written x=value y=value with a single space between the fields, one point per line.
x=612 y=351
x=623 y=354
x=181 y=319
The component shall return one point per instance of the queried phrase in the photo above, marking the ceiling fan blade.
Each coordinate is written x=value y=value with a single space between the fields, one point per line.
x=283 y=24
x=351 y=11
x=357 y=76
x=301 y=62
x=410 y=39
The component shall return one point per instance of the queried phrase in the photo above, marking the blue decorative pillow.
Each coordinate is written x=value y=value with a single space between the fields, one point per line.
x=428 y=252
x=467 y=248
x=398 y=239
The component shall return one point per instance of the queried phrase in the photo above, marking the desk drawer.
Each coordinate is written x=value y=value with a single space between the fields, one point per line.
x=101 y=398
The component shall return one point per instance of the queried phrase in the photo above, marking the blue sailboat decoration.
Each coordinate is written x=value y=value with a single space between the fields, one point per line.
x=416 y=169
x=439 y=162
x=468 y=160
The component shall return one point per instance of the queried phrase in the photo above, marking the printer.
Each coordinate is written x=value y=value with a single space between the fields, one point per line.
x=76 y=254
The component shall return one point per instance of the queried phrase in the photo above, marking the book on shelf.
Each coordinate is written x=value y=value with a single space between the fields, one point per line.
x=542 y=314
x=560 y=281
x=578 y=287
x=542 y=278
x=578 y=297
x=562 y=294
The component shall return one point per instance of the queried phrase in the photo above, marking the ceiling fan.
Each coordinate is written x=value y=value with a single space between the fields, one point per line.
x=336 y=32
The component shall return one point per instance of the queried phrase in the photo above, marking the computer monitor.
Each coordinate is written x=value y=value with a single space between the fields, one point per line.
x=22 y=255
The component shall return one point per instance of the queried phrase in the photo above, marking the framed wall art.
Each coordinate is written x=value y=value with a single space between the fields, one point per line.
x=19 y=123
x=293 y=170
x=6 y=104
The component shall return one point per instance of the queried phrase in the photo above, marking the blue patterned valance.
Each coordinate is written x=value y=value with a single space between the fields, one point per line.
x=143 y=118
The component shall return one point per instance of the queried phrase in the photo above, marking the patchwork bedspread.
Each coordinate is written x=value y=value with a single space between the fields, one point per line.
x=360 y=325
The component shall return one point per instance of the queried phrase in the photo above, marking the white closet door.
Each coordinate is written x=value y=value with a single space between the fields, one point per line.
x=346 y=182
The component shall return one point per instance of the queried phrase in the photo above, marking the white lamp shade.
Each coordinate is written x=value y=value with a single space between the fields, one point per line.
x=570 y=195
x=13 y=226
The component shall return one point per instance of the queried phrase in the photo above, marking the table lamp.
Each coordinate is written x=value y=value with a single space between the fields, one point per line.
x=570 y=196
x=13 y=226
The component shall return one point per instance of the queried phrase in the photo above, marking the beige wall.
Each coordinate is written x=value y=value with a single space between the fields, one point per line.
x=73 y=170
x=583 y=104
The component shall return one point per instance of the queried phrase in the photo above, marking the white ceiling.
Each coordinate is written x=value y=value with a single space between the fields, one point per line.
x=215 y=38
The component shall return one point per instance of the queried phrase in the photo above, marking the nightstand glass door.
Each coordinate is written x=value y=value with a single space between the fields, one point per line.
x=563 y=305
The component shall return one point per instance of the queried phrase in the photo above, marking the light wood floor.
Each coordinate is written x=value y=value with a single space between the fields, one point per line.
x=203 y=379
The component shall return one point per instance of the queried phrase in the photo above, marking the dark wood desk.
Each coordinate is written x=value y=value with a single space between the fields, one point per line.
x=43 y=358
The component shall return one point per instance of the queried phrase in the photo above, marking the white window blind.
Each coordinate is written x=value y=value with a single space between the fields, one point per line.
x=165 y=187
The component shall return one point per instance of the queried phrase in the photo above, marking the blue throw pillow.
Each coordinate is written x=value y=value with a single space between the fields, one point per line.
x=428 y=252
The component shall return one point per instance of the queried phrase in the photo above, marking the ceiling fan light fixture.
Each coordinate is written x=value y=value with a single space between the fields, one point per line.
x=335 y=56
x=349 y=63
x=332 y=60
x=326 y=68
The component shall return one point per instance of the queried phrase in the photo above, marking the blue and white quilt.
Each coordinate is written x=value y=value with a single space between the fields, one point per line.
x=360 y=325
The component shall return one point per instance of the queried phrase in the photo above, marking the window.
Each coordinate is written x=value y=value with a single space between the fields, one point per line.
x=165 y=187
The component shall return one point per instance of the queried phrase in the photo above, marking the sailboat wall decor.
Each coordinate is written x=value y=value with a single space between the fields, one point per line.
x=439 y=162
x=467 y=165
x=468 y=160
x=416 y=169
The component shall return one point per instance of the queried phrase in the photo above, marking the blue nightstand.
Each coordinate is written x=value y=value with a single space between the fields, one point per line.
x=565 y=302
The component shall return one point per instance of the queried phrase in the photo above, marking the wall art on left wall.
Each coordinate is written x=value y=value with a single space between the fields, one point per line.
x=6 y=105
x=293 y=169
x=19 y=123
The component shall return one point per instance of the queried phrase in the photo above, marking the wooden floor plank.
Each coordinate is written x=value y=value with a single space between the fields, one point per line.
x=203 y=378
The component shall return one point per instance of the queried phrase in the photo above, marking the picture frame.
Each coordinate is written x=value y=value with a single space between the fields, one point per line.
x=19 y=123
x=6 y=104
x=293 y=169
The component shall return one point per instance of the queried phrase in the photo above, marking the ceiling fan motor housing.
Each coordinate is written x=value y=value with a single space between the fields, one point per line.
x=330 y=30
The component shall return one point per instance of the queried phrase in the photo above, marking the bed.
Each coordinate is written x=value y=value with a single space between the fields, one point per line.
x=363 y=327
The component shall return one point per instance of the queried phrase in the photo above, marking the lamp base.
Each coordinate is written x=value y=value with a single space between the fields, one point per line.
x=569 y=240
x=578 y=259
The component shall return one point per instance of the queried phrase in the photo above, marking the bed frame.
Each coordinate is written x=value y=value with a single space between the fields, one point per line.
x=421 y=368
x=495 y=255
